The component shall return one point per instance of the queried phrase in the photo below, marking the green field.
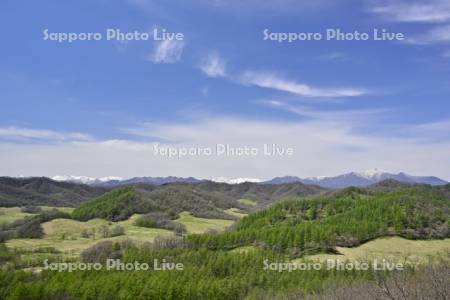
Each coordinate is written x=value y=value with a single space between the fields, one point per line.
x=201 y=225
x=236 y=212
x=390 y=248
x=11 y=214
x=247 y=202
x=64 y=235
x=67 y=210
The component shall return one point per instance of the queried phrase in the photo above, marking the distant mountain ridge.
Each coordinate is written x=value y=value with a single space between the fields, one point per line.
x=111 y=181
x=357 y=179
x=44 y=191
x=201 y=198
x=361 y=179
x=85 y=179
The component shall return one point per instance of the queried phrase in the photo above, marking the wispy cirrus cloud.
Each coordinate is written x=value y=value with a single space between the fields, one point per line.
x=273 y=81
x=333 y=56
x=439 y=126
x=21 y=134
x=431 y=11
x=167 y=52
x=340 y=117
x=437 y=35
x=213 y=65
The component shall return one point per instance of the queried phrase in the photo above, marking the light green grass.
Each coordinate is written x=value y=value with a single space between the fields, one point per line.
x=236 y=212
x=68 y=210
x=202 y=225
x=248 y=202
x=11 y=214
x=244 y=249
x=65 y=235
x=390 y=248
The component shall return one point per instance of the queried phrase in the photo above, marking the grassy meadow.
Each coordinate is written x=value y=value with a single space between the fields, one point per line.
x=247 y=202
x=389 y=248
x=202 y=225
x=64 y=237
x=11 y=214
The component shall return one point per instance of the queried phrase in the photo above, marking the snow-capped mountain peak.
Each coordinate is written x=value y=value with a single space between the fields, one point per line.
x=84 y=179
x=235 y=180
x=361 y=179
x=372 y=173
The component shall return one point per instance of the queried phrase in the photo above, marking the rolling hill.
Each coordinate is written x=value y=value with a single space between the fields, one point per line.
x=44 y=191
x=206 y=199
x=344 y=218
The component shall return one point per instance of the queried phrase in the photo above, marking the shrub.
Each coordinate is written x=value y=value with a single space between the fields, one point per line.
x=160 y=220
x=98 y=253
x=103 y=231
x=117 y=231
x=52 y=214
x=31 y=209
x=31 y=229
x=145 y=221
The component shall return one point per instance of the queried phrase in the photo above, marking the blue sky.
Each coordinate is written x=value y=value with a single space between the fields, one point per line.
x=95 y=108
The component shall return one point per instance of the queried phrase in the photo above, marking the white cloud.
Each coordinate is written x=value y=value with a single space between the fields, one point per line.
x=213 y=65
x=330 y=147
x=334 y=56
x=437 y=126
x=167 y=52
x=352 y=116
x=272 y=81
x=39 y=135
x=439 y=34
x=430 y=11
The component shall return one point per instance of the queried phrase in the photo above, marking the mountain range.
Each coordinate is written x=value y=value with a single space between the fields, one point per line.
x=112 y=181
x=358 y=179
x=361 y=179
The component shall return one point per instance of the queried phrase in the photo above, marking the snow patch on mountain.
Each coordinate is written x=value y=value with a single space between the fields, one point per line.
x=235 y=180
x=84 y=179
x=372 y=173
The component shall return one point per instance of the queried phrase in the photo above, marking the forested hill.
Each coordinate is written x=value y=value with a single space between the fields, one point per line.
x=44 y=191
x=346 y=217
x=207 y=200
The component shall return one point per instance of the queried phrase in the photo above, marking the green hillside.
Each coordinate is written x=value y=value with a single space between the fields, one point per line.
x=115 y=205
x=345 y=218
x=204 y=200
